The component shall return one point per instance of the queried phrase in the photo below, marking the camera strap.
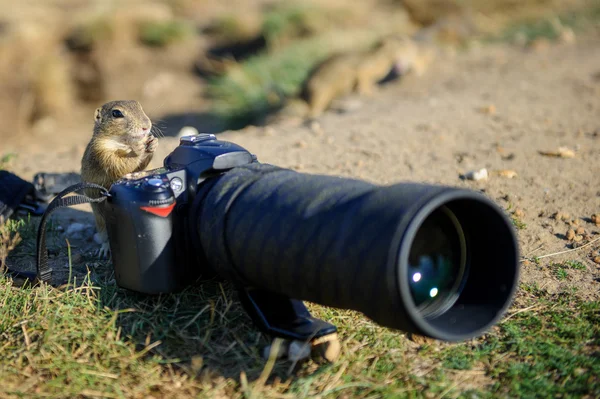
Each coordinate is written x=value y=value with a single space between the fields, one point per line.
x=44 y=272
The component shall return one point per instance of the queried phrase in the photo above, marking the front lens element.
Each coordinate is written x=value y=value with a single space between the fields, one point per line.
x=437 y=263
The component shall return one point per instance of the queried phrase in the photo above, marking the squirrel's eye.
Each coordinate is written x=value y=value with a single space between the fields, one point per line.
x=117 y=114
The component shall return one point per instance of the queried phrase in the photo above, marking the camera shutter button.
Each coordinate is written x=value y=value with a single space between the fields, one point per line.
x=154 y=185
x=155 y=182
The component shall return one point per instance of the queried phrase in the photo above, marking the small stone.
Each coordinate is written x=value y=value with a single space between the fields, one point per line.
x=580 y=230
x=488 y=109
x=509 y=174
x=519 y=213
x=79 y=231
x=281 y=352
x=596 y=219
x=561 y=216
x=301 y=144
x=298 y=350
x=268 y=131
x=570 y=234
x=578 y=238
x=597 y=260
x=316 y=128
x=561 y=152
x=75 y=228
x=477 y=175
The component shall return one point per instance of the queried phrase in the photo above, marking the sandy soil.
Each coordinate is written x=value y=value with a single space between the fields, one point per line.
x=491 y=107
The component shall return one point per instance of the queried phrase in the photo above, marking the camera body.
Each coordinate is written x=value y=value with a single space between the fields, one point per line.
x=147 y=215
x=410 y=256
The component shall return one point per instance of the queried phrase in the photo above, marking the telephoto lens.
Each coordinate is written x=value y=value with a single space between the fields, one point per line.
x=428 y=259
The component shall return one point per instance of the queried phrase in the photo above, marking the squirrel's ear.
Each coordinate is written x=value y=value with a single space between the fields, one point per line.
x=97 y=116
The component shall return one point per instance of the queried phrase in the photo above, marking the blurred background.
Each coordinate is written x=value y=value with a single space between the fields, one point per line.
x=515 y=92
x=220 y=65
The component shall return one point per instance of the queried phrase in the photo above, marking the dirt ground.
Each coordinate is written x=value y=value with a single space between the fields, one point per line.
x=493 y=107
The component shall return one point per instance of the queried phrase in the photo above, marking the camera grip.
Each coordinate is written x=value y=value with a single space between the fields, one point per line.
x=142 y=231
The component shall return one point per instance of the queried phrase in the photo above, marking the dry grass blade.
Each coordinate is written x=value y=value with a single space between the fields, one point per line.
x=564 y=252
x=529 y=308
x=9 y=239
x=259 y=385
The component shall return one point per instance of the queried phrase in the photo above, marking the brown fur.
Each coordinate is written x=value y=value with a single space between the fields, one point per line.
x=119 y=146
x=361 y=70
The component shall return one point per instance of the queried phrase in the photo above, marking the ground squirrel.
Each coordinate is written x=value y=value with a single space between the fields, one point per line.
x=122 y=143
x=360 y=71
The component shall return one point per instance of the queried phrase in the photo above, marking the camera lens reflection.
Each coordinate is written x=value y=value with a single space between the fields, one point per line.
x=437 y=263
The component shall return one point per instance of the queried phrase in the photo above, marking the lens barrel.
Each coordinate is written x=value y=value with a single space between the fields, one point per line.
x=428 y=259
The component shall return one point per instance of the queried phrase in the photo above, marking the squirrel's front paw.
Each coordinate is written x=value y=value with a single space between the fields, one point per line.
x=139 y=147
x=151 y=144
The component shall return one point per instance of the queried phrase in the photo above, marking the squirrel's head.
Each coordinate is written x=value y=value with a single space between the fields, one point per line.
x=126 y=119
x=400 y=49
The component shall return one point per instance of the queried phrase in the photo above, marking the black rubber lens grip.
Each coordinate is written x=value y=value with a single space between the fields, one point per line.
x=340 y=242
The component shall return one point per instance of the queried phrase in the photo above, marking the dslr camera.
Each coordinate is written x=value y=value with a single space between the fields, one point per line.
x=427 y=259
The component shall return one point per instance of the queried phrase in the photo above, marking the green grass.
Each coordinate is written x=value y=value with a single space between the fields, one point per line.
x=65 y=344
x=298 y=37
x=518 y=223
x=573 y=264
x=6 y=159
x=291 y=21
x=560 y=270
x=561 y=273
x=549 y=351
x=90 y=338
x=263 y=82
x=280 y=23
